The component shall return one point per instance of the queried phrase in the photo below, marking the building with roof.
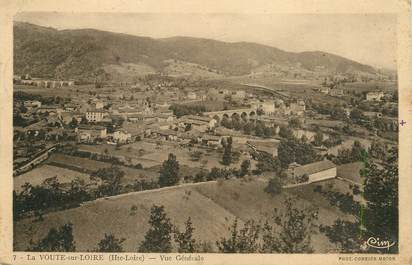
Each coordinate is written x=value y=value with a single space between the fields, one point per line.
x=32 y=104
x=336 y=92
x=121 y=136
x=211 y=140
x=90 y=133
x=199 y=123
x=316 y=171
x=95 y=115
x=374 y=96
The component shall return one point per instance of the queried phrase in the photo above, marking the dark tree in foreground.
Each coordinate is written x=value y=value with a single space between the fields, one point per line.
x=110 y=244
x=290 y=231
x=346 y=235
x=245 y=240
x=274 y=186
x=185 y=241
x=57 y=240
x=379 y=219
x=158 y=238
x=169 y=173
x=381 y=194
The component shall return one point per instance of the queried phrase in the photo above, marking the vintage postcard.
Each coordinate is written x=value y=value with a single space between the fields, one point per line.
x=205 y=133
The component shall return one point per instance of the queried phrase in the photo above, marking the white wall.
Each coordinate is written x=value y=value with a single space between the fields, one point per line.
x=326 y=174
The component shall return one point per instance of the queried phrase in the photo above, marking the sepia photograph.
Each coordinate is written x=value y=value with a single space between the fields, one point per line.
x=205 y=133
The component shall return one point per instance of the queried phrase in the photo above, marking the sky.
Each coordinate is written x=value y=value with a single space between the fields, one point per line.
x=369 y=39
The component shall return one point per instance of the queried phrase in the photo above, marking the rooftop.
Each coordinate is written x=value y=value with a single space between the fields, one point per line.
x=313 y=168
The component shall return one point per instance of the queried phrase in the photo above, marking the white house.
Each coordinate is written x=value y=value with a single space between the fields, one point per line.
x=268 y=107
x=374 y=96
x=32 y=104
x=95 y=115
x=121 y=136
x=316 y=171
x=90 y=133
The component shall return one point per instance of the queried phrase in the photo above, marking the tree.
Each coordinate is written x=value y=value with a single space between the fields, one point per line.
x=289 y=231
x=57 y=240
x=267 y=163
x=356 y=115
x=111 y=180
x=73 y=123
x=318 y=138
x=381 y=194
x=285 y=132
x=226 y=122
x=158 y=238
x=345 y=235
x=169 y=173
x=274 y=186
x=292 y=150
x=378 y=150
x=227 y=154
x=244 y=168
x=185 y=241
x=110 y=244
x=259 y=129
x=245 y=240
x=295 y=123
x=248 y=127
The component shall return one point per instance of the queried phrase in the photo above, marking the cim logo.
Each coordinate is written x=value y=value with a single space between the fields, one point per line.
x=378 y=243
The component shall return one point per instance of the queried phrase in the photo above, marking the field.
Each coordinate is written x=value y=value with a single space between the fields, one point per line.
x=39 y=174
x=212 y=207
x=88 y=165
x=351 y=171
x=151 y=155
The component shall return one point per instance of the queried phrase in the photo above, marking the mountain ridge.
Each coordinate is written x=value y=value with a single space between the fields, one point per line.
x=83 y=54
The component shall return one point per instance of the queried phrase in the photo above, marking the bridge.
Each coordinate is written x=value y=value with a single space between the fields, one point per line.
x=268 y=89
x=247 y=113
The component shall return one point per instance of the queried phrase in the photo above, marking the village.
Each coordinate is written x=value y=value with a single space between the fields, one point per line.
x=135 y=143
x=139 y=123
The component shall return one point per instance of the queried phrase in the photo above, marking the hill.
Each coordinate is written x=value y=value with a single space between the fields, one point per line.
x=212 y=207
x=87 y=54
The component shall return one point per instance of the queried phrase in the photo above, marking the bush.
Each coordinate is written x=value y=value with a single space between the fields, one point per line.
x=274 y=186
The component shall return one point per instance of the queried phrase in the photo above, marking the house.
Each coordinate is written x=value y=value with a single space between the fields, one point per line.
x=211 y=140
x=50 y=109
x=137 y=132
x=268 y=107
x=70 y=107
x=239 y=94
x=374 y=96
x=372 y=114
x=336 y=92
x=167 y=135
x=198 y=123
x=191 y=95
x=316 y=171
x=297 y=108
x=121 y=136
x=87 y=133
x=32 y=104
x=67 y=117
x=99 y=105
x=95 y=115
x=324 y=90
